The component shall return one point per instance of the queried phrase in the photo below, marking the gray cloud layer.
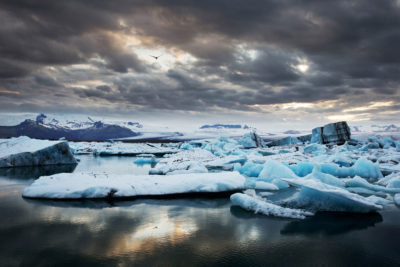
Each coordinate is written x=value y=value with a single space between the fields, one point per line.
x=245 y=51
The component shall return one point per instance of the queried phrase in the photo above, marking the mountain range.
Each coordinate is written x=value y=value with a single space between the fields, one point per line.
x=51 y=128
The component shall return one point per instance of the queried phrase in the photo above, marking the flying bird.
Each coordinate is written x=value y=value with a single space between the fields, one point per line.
x=156 y=57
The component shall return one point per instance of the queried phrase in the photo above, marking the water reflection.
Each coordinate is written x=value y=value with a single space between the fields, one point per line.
x=178 y=203
x=34 y=172
x=332 y=223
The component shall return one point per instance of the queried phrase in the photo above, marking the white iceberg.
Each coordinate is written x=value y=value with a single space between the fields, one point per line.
x=360 y=182
x=365 y=191
x=260 y=206
x=24 y=151
x=380 y=200
x=324 y=177
x=261 y=185
x=186 y=161
x=121 y=148
x=316 y=195
x=90 y=185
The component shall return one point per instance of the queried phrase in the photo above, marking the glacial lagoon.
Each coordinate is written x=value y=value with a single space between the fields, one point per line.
x=189 y=231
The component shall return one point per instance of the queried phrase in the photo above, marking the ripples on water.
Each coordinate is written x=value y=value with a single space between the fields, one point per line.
x=178 y=232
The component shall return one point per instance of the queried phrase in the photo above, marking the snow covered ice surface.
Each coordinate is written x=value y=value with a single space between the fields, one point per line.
x=120 y=148
x=260 y=206
x=24 y=151
x=90 y=185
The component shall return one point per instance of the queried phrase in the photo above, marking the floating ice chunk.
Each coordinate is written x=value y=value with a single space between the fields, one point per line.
x=373 y=145
x=302 y=168
x=120 y=148
x=360 y=182
x=225 y=162
x=260 y=206
x=387 y=179
x=261 y=185
x=342 y=161
x=192 y=167
x=24 y=151
x=89 y=185
x=280 y=183
x=324 y=177
x=250 y=169
x=394 y=183
x=380 y=200
x=184 y=160
x=314 y=148
x=367 y=169
x=316 y=195
x=386 y=142
x=397 y=146
x=273 y=171
x=289 y=140
x=365 y=191
x=251 y=140
x=145 y=160
x=337 y=171
x=397 y=199
x=186 y=146
x=362 y=167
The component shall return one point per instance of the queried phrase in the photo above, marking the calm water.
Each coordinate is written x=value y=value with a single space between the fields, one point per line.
x=179 y=232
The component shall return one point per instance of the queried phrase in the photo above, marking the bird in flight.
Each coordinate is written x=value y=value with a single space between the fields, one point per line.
x=156 y=57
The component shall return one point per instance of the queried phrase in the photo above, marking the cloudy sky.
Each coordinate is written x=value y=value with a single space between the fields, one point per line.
x=261 y=62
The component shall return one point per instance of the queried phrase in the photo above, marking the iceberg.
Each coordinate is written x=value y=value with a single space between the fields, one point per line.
x=249 y=169
x=367 y=169
x=224 y=163
x=145 y=160
x=262 y=207
x=397 y=199
x=90 y=185
x=365 y=191
x=360 y=182
x=336 y=133
x=302 y=169
x=260 y=185
x=273 y=171
x=318 y=196
x=314 y=148
x=186 y=161
x=380 y=200
x=289 y=140
x=325 y=178
x=121 y=149
x=24 y=151
x=362 y=167
x=251 y=140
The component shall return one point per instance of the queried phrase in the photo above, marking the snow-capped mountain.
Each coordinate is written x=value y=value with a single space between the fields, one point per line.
x=45 y=127
x=75 y=124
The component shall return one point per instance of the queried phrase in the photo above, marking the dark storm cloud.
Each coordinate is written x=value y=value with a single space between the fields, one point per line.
x=246 y=51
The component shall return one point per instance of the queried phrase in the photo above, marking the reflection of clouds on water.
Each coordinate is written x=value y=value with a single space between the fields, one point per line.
x=325 y=223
